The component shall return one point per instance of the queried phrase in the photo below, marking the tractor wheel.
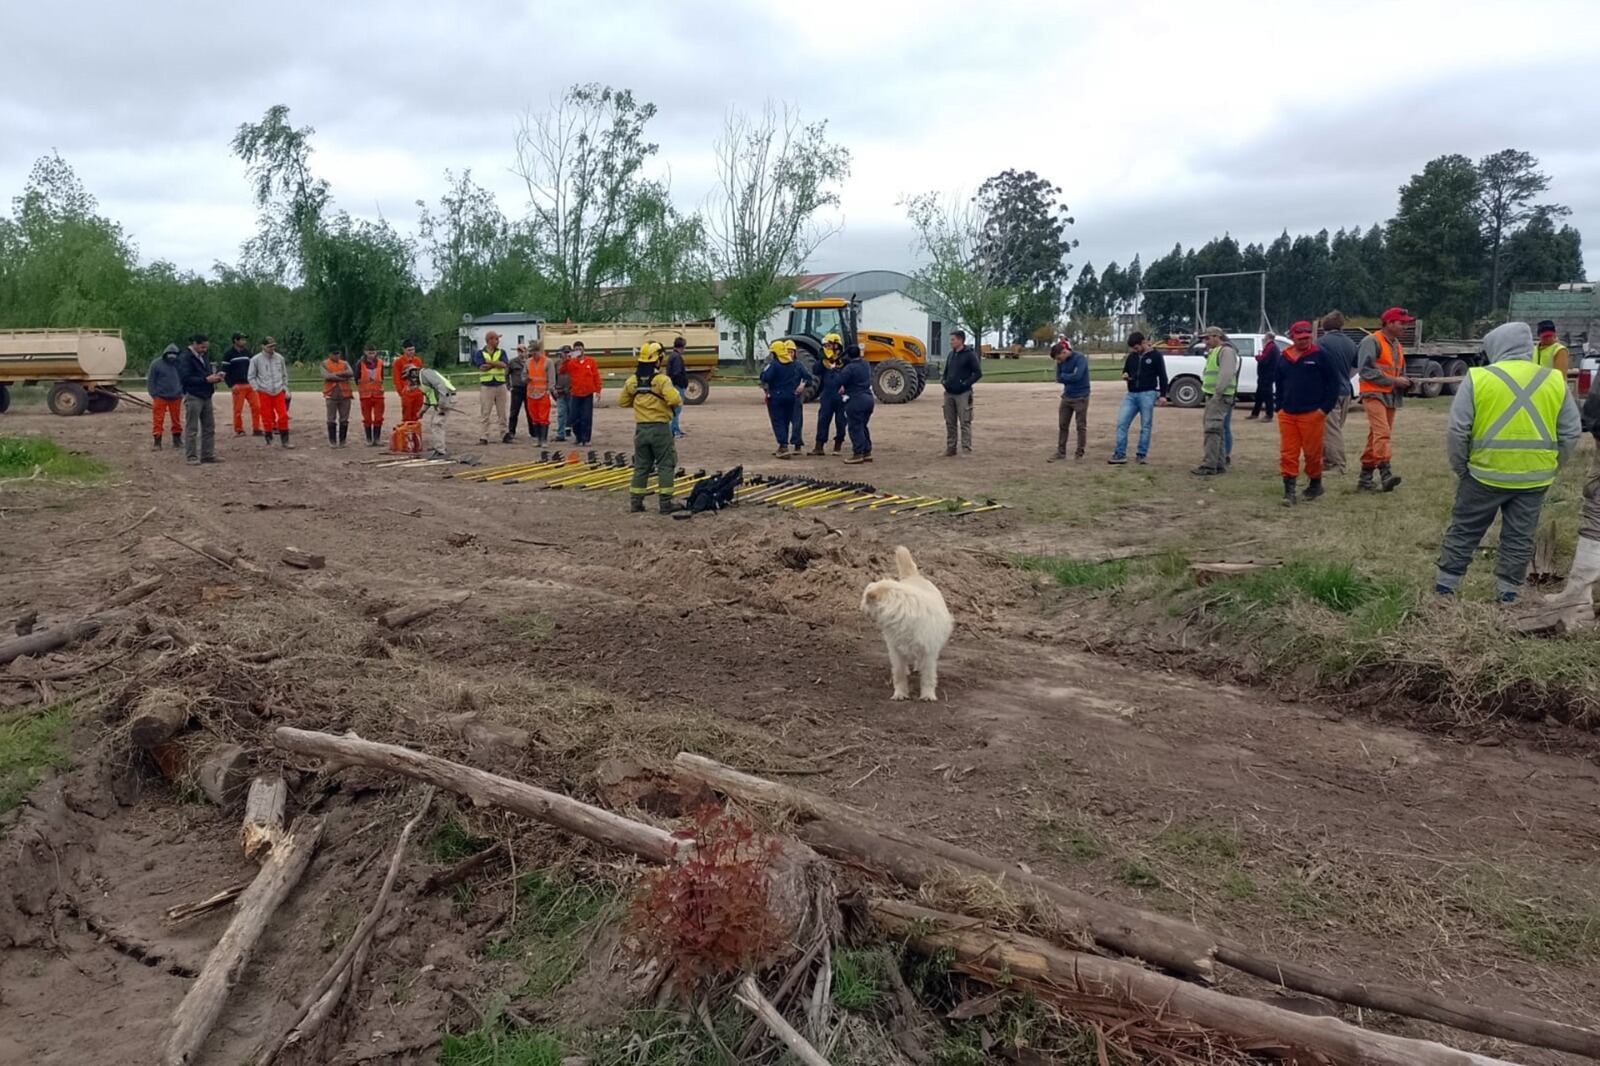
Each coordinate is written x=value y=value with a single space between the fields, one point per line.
x=1457 y=368
x=68 y=398
x=1186 y=392
x=922 y=381
x=101 y=402
x=893 y=381
x=696 y=391
x=5 y=399
x=1430 y=386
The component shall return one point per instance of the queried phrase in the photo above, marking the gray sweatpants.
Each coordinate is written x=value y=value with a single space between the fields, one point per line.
x=1474 y=512
x=958 y=416
x=1214 y=420
x=199 y=428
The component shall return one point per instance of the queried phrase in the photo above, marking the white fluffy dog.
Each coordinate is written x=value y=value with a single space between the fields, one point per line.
x=915 y=623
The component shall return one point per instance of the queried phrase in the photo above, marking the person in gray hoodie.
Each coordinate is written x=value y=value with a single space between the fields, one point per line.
x=1512 y=425
x=166 y=395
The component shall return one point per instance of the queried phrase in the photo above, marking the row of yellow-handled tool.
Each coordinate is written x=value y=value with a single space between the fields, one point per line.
x=614 y=471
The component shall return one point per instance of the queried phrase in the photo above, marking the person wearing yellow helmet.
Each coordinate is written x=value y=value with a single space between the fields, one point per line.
x=830 y=408
x=653 y=398
x=784 y=380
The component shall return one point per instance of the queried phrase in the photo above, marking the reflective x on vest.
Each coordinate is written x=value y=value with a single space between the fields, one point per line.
x=1515 y=409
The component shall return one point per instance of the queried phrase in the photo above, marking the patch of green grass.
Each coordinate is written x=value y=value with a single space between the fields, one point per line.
x=1237 y=884
x=1068 y=839
x=1335 y=585
x=532 y=626
x=1538 y=919
x=1311 y=903
x=492 y=1047
x=30 y=745
x=1136 y=874
x=452 y=841
x=553 y=914
x=19 y=456
x=858 y=979
x=1075 y=574
x=1201 y=844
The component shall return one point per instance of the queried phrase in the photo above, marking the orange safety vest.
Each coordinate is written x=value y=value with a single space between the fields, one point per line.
x=1391 y=360
x=401 y=365
x=369 y=378
x=538 y=378
x=337 y=390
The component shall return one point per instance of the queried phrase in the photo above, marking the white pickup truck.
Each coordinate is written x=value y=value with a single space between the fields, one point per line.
x=1184 y=371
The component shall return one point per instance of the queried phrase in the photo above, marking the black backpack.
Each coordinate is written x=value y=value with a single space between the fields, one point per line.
x=715 y=492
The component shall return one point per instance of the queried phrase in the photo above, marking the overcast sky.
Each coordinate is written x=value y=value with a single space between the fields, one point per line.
x=1162 y=121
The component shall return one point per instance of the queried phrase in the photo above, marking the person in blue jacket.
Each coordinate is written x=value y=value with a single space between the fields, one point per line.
x=1072 y=374
x=830 y=409
x=784 y=380
x=855 y=394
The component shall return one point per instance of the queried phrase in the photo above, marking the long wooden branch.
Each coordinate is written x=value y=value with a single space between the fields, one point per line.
x=984 y=952
x=636 y=838
x=48 y=640
x=358 y=939
x=197 y=1014
x=750 y=997
x=839 y=831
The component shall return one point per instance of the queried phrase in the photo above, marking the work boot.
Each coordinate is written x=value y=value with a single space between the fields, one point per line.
x=838 y=444
x=949 y=453
x=1057 y=457
x=1118 y=460
x=1205 y=471
x=1288 y=491
x=1386 y=478
x=285 y=435
x=782 y=452
x=255 y=433
x=1577 y=595
x=668 y=505
x=508 y=438
x=268 y=437
x=344 y=431
x=856 y=460
x=1364 y=482
x=157 y=445
x=1314 y=490
x=636 y=504
x=177 y=441
x=818 y=449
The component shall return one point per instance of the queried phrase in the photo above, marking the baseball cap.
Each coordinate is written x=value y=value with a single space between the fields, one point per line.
x=1300 y=329
x=1397 y=314
x=1547 y=326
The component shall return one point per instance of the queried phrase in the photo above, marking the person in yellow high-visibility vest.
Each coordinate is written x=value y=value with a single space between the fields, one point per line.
x=1549 y=351
x=492 y=373
x=1511 y=426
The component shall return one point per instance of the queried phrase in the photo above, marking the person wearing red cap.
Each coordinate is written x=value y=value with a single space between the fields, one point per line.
x=1308 y=388
x=1550 y=352
x=1381 y=365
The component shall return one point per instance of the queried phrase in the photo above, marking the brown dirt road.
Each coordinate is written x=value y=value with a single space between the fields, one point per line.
x=1342 y=842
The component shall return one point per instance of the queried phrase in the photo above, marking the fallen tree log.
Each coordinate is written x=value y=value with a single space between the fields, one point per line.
x=985 y=952
x=159 y=716
x=840 y=831
x=48 y=640
x=197 y=1014
x=635 y=838
x=404 y=616
x=263 y=815
x=134 y=593
x=223 y=774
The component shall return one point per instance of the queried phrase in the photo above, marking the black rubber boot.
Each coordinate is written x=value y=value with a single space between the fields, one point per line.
x=333 y=434
x=1288 y=491
x=158 y=444
x=1314 y=489
x=285 y=435
x=177 y=442
x=1364 y=483
x=668 y=505
x=1386 y=478
x=344 y=431
x=267 y=435
x=636 y=504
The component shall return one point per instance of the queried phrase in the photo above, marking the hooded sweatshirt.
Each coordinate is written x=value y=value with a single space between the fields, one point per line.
x=1507 y=343
x=162 y=382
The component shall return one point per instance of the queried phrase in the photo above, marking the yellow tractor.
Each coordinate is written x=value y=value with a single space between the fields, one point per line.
x=899 y=361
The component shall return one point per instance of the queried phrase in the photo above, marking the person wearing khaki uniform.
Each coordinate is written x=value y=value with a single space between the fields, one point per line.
x=493 y=372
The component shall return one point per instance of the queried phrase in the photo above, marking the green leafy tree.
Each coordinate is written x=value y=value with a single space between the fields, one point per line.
x=481 y=263
x=672 y=279
x=1026 y=238
x=1436 y=245
x=1086 y=299
x=1539 y=253
x=583 y=163
x=1508 y=181
x=959 y=280
x=774 y=174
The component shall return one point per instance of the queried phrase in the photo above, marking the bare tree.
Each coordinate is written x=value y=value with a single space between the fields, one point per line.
x=963 y=278
x=774 y=174
x=582 y=161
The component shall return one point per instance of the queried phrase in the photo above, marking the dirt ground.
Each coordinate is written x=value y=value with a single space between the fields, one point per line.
x=1346 y=843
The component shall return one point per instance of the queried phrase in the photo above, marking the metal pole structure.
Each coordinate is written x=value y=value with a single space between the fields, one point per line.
x=1196 y=291
x=1234 y=274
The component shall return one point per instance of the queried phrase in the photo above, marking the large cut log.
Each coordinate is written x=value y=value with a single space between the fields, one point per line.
x=198 y=1012
x=159 y=716
x=987 y=953
x=843 y=832
x=404 y=616
x=48 y=640
x=636 y=838
x=263 y=815
x=223 y=774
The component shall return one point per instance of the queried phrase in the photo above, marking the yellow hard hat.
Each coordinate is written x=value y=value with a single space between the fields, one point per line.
x=833 y=338
x=650 y=352
x=781 y=347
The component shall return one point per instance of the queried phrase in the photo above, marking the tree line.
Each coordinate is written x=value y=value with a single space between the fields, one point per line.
x=1464 y=235
x=600 y=240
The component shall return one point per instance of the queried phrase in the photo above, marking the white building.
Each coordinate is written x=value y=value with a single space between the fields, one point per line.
x=885 y=305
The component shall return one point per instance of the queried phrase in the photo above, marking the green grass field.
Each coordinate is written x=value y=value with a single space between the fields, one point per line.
x=20 y=457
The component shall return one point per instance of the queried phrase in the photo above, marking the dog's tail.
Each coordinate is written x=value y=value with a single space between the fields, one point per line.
x=904 y=564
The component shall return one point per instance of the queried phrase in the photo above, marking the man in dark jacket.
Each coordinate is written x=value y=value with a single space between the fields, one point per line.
x=199 y=385
x=1145 y=371
x=1266 y=379
x=678 y=373
x=236 y=375
x=1072 y=373
x=1341 y=351
x=166 y=396
x=1308 y=388
x=961 y=371
x=855 y=390
x=830 y=408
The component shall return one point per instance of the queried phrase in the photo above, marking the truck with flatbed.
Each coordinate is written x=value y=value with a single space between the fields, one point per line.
x=81 y=367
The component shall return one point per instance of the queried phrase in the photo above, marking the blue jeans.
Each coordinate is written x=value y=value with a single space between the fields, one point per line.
x=677 y=413
x=563 y=416
x=1142 y=404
